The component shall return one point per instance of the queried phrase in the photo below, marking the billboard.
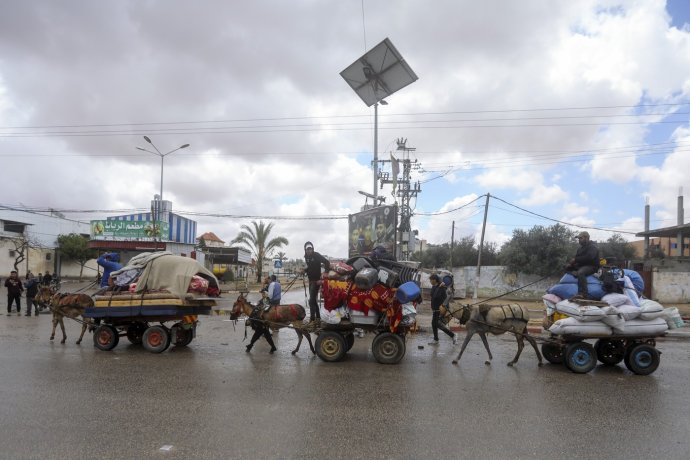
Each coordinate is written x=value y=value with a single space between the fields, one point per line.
x=371 y=228
x=142 y=230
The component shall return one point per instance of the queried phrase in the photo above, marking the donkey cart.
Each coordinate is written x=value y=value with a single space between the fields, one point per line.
x=637 y=352
x=131 y=315
x=335 y=340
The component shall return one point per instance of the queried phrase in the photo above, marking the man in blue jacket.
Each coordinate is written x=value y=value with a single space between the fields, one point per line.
x=110 y=263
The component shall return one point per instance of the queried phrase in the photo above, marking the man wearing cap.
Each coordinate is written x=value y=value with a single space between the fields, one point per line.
x=314 y=261
x=585 y=263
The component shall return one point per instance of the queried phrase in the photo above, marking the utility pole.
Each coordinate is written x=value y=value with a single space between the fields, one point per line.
x=452 y=238
x=405 y=190
x=481 y=247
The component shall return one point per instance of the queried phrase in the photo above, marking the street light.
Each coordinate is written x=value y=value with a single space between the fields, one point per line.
x=162 y=155
x=376 y=147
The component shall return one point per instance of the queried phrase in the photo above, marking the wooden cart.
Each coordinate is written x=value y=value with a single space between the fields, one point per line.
x=142 y=317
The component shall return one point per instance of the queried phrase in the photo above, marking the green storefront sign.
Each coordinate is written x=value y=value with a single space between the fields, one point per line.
x=128 y=229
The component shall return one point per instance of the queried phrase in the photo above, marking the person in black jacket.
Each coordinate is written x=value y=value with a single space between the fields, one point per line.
x=438 y=296
x=314 y=261
x=585 y=263
x=14 y=292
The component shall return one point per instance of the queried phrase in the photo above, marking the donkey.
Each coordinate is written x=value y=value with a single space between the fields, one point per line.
x=496 y=319
x=70 y=305
x=277 y=317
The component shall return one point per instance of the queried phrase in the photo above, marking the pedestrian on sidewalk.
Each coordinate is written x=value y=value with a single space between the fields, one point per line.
x=438 y=297
x=31 y=292
x=14 y=292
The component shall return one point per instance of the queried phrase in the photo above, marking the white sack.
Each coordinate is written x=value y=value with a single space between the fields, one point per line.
x=628 y=312
x=571 y=326
x=673 y=318
x=583 y=313
x=613 y=319
x=642 y=327
x=630 y=291
x=550 y=301
x=615 y=299
x=649 y=309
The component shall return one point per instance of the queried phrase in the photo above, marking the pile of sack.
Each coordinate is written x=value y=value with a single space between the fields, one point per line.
x=628 y=281
x=620 y=316
x=364 y=290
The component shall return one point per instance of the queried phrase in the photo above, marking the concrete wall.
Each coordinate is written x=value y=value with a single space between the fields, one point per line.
x=495 y=281
x=670 y=283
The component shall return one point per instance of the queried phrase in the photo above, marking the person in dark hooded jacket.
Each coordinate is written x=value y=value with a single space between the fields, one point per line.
x=110 y=263
x=585 y=263
x=314 y=262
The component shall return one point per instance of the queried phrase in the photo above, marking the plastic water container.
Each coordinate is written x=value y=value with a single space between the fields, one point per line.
x=360 y=263
x=407 y=292
x=387 y=277
x=366 y=278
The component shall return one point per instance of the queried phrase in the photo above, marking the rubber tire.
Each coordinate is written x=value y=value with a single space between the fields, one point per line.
x=580 y=357
x=105 y=337
x=330 y=346
x=610 y=351
x=156 y=339
x=552 y=353
x=349 y=342
x=135 y=332
x=642 y=359
x=183 y=337
x=388 y=348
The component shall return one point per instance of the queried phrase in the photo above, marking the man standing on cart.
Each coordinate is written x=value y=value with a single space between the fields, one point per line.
x=110 y=263
x=585 y=263
x=314 y=261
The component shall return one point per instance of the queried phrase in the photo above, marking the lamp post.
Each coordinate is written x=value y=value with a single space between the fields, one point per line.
x=162 y=155
x=376 y=147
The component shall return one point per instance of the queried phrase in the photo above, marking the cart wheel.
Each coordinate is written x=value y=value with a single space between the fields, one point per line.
x=156 y=339
x=183 y=337
x=609 y=351
x=330 y=346
x=135 y=332
x=388 y=348
x=105 y=337
x=580 y=357
x=349 y=342
x=642 y=359
x=552 y=352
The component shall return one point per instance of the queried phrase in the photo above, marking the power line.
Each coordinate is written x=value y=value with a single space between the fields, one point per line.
x=241 y=120
x=562 y=222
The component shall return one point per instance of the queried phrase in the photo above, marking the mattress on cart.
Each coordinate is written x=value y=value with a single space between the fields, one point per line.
x=153 y=304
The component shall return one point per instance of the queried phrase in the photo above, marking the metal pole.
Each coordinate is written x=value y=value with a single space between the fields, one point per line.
x=481 y=246
x=376 y=152
x=162 y=156
x=452 y=237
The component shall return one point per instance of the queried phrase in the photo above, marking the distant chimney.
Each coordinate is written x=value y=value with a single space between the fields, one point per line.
x=679 y=238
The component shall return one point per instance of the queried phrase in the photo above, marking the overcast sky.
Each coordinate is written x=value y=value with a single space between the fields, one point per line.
x=574 y=110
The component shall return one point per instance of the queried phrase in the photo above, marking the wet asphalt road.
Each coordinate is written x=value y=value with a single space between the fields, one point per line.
x=212 y=400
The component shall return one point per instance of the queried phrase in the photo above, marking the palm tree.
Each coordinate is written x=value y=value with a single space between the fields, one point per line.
x=256 y=239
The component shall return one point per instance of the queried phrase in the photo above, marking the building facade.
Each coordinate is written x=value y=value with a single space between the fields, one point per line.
x=157 y=230
x=31 y=238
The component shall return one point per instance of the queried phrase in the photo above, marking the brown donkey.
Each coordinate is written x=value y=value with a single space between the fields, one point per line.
x=276 y=317
x=70 y=305
x=496 y=319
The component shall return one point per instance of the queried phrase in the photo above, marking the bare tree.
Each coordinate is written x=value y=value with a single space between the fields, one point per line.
x=22 y=244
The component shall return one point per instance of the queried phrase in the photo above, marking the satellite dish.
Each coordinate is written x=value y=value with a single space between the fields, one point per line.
x=379 y=73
